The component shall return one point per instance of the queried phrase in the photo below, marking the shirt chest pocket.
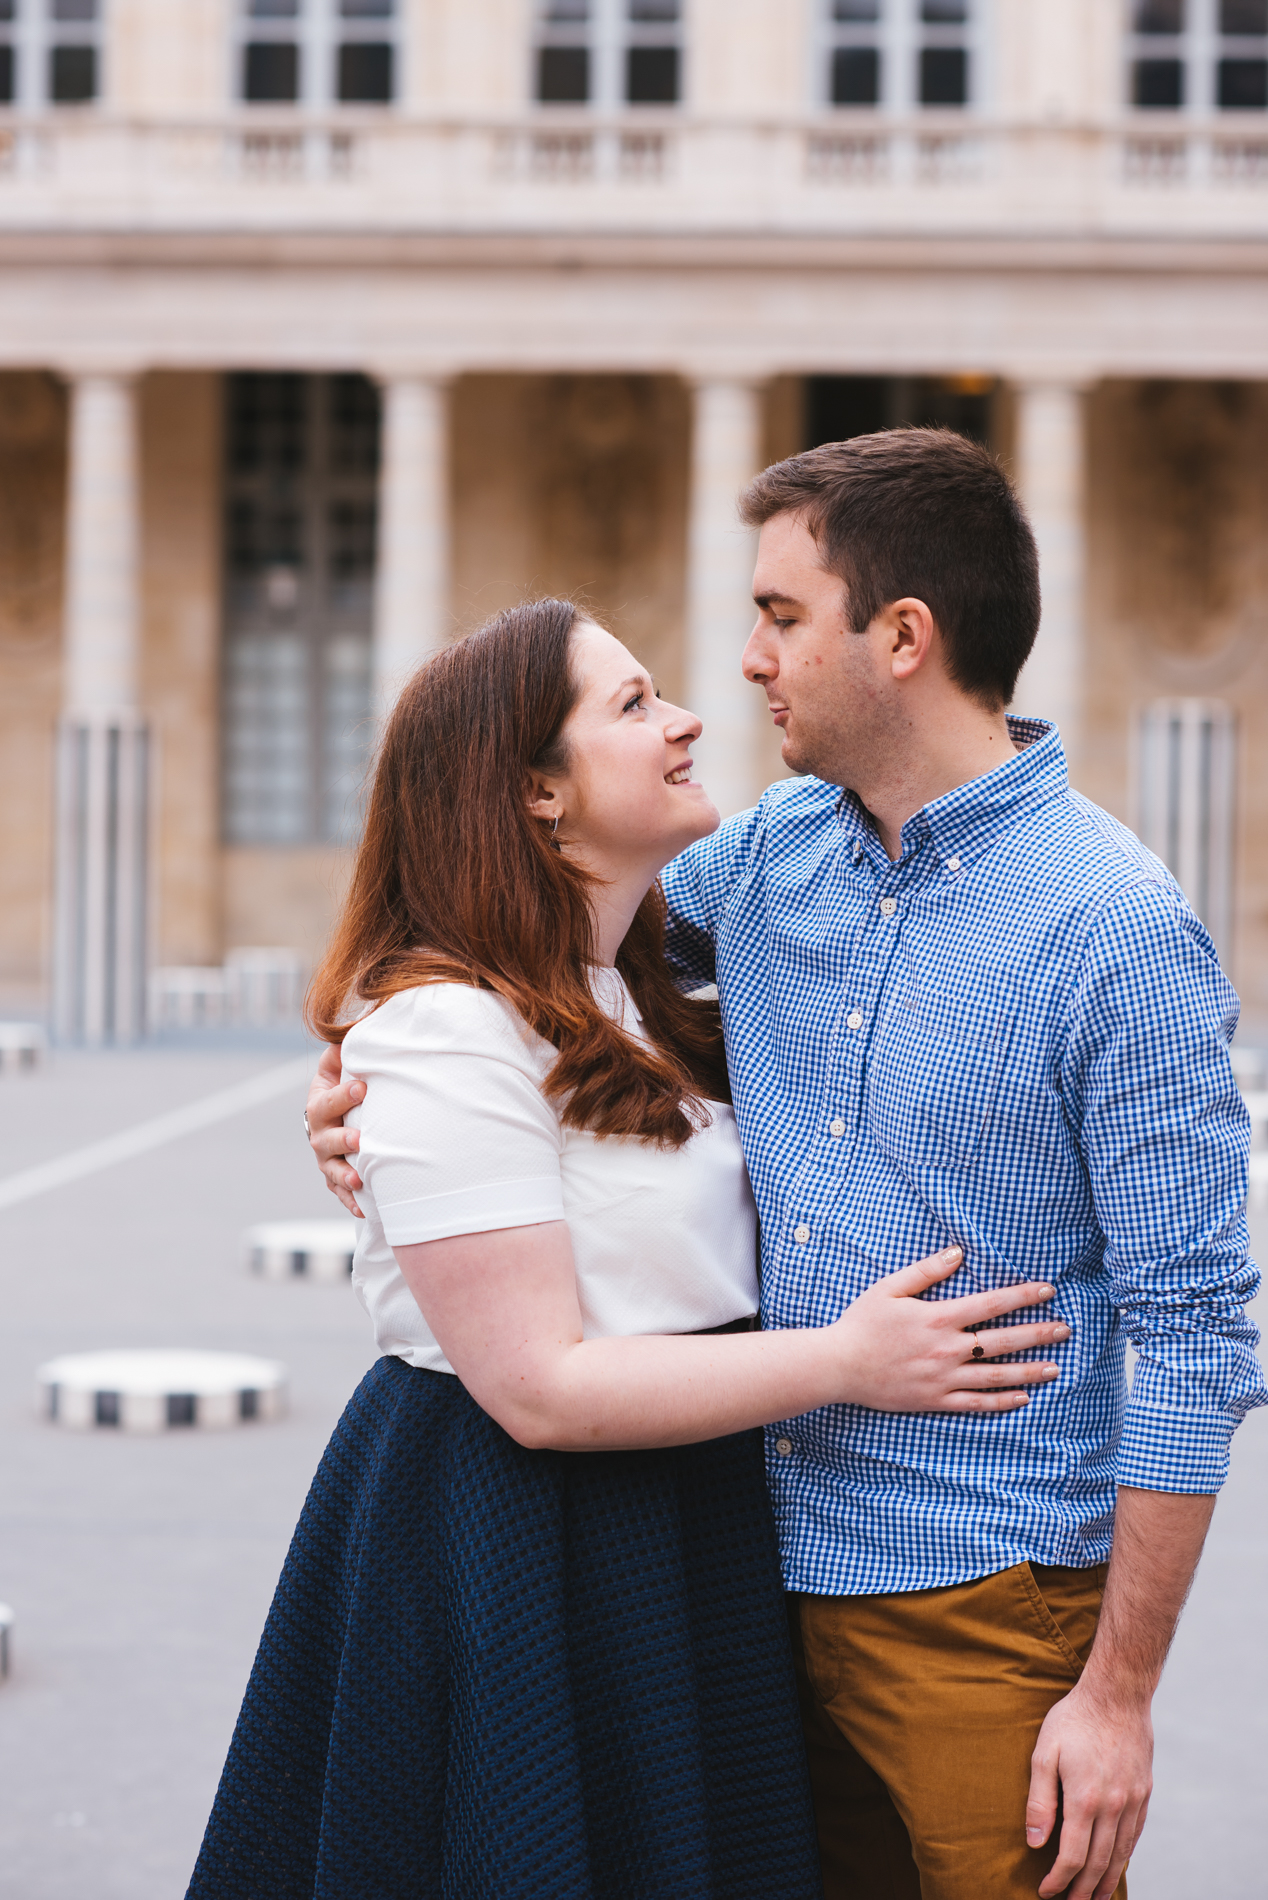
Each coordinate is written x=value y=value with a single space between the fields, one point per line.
x=933 y=1082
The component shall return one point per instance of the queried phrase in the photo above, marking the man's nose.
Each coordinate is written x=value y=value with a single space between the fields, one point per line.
x=757 y=662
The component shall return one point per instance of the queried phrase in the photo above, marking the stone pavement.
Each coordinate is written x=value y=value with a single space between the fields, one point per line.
x=141 y=1569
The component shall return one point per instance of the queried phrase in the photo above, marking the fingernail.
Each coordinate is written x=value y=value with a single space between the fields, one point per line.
x=951 y=1253
x=1063 y=1332
x=1034 y=1837
x=1045 y=1291
x=1050 y=1372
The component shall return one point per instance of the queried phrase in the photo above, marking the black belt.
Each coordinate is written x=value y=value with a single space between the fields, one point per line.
x=749 y=1324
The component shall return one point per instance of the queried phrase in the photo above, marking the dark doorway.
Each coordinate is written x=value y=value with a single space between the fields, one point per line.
x=838 y=407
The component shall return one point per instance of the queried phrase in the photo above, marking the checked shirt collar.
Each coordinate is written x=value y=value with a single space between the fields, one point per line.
x=964 y=823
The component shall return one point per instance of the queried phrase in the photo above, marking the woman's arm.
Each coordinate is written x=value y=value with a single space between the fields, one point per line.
x=504 y=1308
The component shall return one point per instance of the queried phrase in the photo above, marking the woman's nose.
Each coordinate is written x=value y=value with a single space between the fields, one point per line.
x=682 y=724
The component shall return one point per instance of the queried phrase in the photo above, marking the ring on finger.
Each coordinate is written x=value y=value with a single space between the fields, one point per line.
x=978 y=1352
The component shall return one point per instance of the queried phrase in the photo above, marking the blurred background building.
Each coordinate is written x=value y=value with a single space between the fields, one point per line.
x=328 y=327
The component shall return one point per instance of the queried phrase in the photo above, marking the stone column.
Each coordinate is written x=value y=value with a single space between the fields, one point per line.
x=1050 y=476
x=100 y=917
x=412 y=588
x=725 y=454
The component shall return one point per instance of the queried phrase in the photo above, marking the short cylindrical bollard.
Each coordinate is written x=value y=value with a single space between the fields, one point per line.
x=156 y=1391
x=301 y=1249
x=21 y=1045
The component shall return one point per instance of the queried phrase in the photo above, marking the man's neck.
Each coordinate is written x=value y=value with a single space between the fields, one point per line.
x=966 y=748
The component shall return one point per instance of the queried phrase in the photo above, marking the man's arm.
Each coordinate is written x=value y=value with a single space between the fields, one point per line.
x=1164 y=1134
x=1097 y=1743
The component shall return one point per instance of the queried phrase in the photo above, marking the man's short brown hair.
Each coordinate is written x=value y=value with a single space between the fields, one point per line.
x=927 y=513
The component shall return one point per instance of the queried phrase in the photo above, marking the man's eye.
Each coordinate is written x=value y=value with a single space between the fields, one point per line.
x=782 y=623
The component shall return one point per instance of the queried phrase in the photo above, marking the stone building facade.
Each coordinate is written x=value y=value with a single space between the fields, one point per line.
x=328 y=327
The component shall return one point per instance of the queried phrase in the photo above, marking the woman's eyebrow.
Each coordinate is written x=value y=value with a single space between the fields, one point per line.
x=635 y=679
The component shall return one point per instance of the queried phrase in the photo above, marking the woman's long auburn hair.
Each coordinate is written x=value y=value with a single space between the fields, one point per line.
x=455 y=882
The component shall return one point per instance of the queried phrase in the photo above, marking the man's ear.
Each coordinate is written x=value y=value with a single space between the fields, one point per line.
x=912 y=629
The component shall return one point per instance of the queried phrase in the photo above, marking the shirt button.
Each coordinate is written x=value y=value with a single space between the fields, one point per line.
x=784 y=1447
x=836 y=1128
x=888 y=906
x=854 y=1020
x=801 y=1235
x=953 y=864
x=858 y=850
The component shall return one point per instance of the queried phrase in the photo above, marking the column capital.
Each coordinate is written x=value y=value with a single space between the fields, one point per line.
x=440 y=375
x=1075 y=381
x=120 y=369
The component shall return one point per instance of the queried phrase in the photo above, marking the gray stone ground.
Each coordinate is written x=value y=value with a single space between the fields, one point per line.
x=141 y=1569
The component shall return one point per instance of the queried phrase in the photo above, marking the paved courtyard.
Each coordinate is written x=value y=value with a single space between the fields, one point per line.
x=141 y=1569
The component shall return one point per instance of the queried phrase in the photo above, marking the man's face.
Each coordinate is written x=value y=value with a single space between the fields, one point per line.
x=830 y=690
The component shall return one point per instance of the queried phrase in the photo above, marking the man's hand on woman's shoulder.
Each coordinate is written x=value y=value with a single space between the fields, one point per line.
x=329 y=1099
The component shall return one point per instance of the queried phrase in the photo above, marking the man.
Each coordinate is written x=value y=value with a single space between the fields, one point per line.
x=963 y=1004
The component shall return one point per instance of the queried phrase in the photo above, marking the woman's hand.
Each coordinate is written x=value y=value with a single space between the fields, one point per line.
x=905 y=1354
x=329 y=1099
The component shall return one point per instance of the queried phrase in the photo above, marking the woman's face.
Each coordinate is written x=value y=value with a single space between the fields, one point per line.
x=627 y=800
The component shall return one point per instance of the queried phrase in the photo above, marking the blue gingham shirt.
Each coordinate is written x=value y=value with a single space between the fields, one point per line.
x=1015 y=1038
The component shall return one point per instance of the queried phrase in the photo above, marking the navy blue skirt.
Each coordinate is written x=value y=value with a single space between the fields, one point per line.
x=498 y=1674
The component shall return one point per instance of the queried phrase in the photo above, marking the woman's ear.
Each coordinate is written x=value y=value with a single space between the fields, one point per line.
x=543 y=800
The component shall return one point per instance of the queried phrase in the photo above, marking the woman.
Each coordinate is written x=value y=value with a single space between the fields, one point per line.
x=529 y=1639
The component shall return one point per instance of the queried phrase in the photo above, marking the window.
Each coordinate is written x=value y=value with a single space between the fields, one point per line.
x=50 y=52
x=609 y=52
x=1198 y=54
x=837 y=407
x=301 y=489
x=901 y=53
x=318 y=52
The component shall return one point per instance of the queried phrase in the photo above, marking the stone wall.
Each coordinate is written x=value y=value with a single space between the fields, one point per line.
x=1178 y=599
x=32 y=504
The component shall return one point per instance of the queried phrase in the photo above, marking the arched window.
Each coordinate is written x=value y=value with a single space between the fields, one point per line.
x=608 y=52
x=318 y=52
x=1198 y=55
x=901 y=54
x=50 y=52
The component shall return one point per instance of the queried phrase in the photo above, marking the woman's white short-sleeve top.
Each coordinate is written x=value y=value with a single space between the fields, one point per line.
x=457 y=1138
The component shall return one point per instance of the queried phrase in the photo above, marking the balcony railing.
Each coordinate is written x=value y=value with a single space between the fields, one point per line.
x=640 y=172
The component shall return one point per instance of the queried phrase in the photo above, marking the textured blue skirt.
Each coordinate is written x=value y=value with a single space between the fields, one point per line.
x=498 y=1674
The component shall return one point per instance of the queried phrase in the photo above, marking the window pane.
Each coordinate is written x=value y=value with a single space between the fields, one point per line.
x=365 y=73
x=367 y=9
x=944 y=76
x=1158 y=83
x=346 y=735
x=651 y=75
x=856 y=76
x=354 y=426
x=565 y=12
x=563 y=74
x=856 y=9
x=1244 y=16
x=944 y=12
x=268 y=424
x=1158 y=16
x=74 y=9
x=7 y=75
x=8 y=9
x=1243 y=84
x=270 y=71
x=657 y=10
x=72 y=75
x=268 y=744
x=273 y=9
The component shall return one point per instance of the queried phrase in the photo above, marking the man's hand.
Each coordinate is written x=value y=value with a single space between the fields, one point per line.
x=1102 y=1759
x=329 y=1099
x=1097 y=1743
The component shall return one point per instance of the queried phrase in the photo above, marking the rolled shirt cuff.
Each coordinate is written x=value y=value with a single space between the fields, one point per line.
x=478 y=1210
x=1174 y=1451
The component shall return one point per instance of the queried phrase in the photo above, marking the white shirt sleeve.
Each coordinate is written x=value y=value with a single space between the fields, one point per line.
x=456 y=1136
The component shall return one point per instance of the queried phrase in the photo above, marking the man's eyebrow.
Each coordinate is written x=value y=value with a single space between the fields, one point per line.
x=770 y=600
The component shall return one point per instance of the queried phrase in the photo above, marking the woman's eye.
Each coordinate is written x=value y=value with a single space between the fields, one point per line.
x=631 y=704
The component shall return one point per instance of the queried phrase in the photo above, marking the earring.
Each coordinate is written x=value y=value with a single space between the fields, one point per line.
x=554 y=828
